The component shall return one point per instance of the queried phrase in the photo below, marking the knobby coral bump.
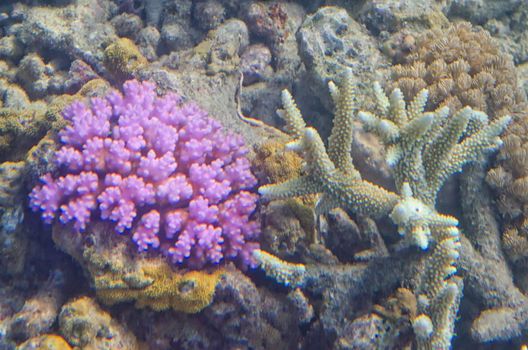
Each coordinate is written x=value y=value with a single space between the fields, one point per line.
x=161 y=170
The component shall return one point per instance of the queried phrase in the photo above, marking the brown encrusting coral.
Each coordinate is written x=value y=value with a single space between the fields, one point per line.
x=464 y=66
x=295 y=225
x=509 y=180
x=461 y=66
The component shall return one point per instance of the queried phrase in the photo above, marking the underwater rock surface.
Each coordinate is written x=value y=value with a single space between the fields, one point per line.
x=353 y=254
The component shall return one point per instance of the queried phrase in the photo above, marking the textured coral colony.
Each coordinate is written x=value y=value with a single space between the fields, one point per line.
x=218 y=174
x=163 y=171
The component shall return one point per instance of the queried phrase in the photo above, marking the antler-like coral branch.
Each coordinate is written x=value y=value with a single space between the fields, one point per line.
x=424 y=149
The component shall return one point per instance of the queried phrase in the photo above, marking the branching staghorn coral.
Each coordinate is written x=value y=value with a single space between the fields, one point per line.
x=333 y=173
x=423 y=149
x=463 y=65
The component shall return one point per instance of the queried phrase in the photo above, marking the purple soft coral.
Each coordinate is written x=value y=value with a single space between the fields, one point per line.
x=158 y=168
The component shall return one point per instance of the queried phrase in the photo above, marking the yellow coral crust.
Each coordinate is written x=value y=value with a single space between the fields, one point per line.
x=46 y=342
x=122 y=58
x=188 y=292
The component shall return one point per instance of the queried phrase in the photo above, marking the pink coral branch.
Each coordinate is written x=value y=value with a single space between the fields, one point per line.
x=160 y=170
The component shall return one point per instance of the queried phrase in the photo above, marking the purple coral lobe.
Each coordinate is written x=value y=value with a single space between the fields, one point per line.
x=161 y=170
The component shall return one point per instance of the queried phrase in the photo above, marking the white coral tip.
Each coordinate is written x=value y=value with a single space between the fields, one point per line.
x=393 y=156
x=310 y=134
x=451 y=289
x=406 y=190
x=294 y=146
x=423 y=327
x=450 y=270
x=264 y=191
x=453 y=231
x=421 y=239
x=367 y=118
